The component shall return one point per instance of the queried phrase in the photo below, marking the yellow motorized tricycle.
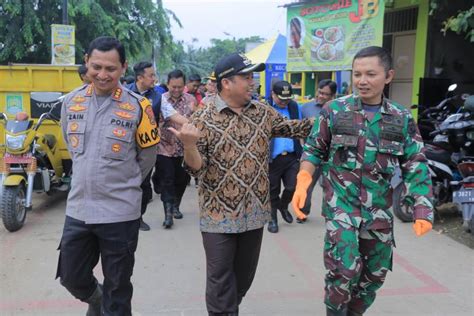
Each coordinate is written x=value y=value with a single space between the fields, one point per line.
x=33 y=155
x=32 y=162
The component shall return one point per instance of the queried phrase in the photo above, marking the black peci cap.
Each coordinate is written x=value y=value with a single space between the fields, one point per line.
x=236 y=64
x=283 y=90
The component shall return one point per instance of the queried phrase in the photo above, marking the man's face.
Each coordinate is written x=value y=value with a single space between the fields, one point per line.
x=324 y=95
x=104 y=70
x=147 y=80
x=176 y=87
x=193 y=86
x=279 y=102
x=211 y=87
x=370 y=78
x=239 y=88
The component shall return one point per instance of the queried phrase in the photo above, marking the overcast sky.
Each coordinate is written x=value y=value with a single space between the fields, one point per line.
x=206 y=19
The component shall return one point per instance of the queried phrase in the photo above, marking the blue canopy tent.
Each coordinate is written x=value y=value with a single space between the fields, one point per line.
x=273 y=54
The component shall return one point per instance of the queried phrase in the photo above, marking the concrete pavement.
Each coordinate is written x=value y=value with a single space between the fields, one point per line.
x=433 y=275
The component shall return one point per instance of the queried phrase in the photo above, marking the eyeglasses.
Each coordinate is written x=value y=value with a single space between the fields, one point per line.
x=324 y=94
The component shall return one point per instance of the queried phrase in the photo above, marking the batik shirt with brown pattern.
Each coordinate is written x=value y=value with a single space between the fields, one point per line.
x=234 y=185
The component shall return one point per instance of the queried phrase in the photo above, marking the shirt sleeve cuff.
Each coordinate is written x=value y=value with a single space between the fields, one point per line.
x=423 y=212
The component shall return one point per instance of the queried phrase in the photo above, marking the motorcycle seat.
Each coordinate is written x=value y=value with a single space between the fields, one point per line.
x=50 y=140
x=438 y=154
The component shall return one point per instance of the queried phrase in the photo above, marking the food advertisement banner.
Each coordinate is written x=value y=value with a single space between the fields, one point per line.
x=325 y=36
x=63 y=48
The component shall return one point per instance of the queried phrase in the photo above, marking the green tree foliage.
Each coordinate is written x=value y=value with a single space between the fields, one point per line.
x=192 y=60
x=138 y=24
x=462 y=23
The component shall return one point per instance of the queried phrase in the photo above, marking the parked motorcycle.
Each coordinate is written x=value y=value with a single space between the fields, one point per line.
x=430 y=118
x=464 y=193
x=32 y=162
x=449 y=145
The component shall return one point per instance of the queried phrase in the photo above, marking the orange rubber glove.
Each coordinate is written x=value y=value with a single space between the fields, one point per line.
x=421 y=227
x=303 y=181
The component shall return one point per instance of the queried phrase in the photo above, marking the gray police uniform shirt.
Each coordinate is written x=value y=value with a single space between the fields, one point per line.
x=111 y=153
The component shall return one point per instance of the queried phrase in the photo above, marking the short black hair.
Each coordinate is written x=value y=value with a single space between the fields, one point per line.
x=383 y=54
x=82 y=70
x=219 y=83
x=139 y=68
x=107 y=43
x=328 y=83
x=176 y=74
x=194 y=77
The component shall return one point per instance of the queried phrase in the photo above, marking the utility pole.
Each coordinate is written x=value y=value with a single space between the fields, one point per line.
x=65 y=20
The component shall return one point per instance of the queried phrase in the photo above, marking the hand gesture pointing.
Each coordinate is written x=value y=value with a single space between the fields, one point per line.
x=188 y=134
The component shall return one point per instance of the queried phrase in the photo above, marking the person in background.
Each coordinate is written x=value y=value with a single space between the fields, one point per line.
x=227 y=147
x=284 y=157
x=192 y=87
x=363 y=138
x=169 y=162
x=111 y=135
x=144 y=85
x=326 y=92
x=82 y=71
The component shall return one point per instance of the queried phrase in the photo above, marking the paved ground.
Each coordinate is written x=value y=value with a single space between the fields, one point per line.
x=433 y=275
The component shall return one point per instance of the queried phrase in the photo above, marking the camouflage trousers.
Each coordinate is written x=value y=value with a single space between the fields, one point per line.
x=357 y=262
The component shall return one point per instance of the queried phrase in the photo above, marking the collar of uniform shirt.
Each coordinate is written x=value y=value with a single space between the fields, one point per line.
x=385 y=109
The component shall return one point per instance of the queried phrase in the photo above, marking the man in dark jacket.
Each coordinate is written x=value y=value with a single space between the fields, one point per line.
x=144 y=85
x=284 y=157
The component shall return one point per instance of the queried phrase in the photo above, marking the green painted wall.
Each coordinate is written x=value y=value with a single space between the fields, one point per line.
x=420 y=47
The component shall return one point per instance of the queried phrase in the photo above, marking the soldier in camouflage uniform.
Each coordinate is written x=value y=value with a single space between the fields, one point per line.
x=363 y=138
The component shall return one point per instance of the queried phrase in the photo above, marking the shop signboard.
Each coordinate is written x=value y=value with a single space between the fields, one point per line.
x=63 y=49
x=325 y=36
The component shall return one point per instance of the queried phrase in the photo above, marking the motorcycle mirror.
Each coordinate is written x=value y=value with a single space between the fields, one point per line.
x=452 y=87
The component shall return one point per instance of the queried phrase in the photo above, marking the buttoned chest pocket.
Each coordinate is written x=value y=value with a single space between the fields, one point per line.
x=343 y=152
x=118 y=142
x=75 y=136
x=388 y=155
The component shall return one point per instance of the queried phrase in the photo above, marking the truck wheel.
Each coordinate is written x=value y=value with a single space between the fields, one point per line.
x=401 y=210
x=12 y=206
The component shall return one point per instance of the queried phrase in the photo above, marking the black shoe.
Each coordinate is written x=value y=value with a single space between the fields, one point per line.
x=168 y=215
x=272 y=227
x=286 y=215
x=144 y=226
x=301 y=221
x=177 y=214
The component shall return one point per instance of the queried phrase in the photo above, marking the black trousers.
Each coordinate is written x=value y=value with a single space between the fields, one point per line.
x=231 y=263
x=147 y=192
x=283 y=168
x=173 y=178
x=80 y=248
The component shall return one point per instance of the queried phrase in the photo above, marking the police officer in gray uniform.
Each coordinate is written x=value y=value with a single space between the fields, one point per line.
x=111 y=135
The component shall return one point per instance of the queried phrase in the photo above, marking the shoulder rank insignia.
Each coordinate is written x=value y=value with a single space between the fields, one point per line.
x=117 y=94
x=123 y=114
x=77 y=108
x=126 y=106
x=89 y=90
x=78 y=99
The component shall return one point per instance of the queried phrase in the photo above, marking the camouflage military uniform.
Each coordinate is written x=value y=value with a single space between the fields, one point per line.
x=361 y=157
